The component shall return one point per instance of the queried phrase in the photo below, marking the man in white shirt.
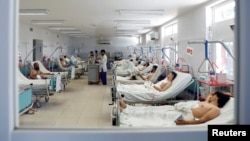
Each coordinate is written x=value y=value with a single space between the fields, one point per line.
x=103 y=67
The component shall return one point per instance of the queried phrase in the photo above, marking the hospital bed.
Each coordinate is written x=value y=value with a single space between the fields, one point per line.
x=125 y=80
x=145 y=93
x=72 y=71
x=63 y=75
x=78 y=61
x=25 y=99
x=165 y=115
x=127 y=68
x=124 y=68
x=39 y=87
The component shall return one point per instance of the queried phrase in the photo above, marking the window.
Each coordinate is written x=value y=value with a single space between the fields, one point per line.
x=224 y=61
x=219 y=18
x=148 y=38
x=224 y=11
x=170 y=32
x=170 y=29
x=140 y=39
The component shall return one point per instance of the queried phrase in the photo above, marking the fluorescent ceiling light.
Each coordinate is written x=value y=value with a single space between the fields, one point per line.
x=133 y=21
x=78 y=34
x=125 y=33
x=47 y=21
x=62 y=27
x=33 y=12
x=129 y=28
x=71 y=31
x=141 y=12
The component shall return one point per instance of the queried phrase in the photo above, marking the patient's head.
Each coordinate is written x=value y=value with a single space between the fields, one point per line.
x=154 y=68
x=36 y=66
x=146 y=64
x=171 y=76
x=220 y=97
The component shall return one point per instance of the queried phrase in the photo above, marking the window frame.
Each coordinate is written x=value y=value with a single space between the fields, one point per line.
x=215 y=46
x=172 y=55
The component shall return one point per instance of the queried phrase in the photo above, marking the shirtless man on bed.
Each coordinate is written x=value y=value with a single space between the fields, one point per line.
x=147 y=77
x=36 y=73
x=206 y=110
x=165 y=83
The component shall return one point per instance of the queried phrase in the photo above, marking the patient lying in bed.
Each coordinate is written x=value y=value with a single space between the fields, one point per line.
x=144 y=77
x=195 y=113
x=149 y=86
x=166 y=83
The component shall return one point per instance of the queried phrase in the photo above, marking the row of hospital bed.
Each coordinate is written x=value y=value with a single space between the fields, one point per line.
x=43 y=88
x=165 y=115
x=141 y=92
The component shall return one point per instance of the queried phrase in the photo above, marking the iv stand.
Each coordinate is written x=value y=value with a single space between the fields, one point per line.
x=206 y=55
x=206 y=51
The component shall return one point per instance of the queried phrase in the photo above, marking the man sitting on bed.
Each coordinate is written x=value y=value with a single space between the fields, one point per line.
x=204 y=111
x=165 y=83
x=36 y=73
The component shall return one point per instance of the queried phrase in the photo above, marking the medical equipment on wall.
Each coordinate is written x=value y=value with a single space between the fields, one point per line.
x=206 y=53
x=165 y=55
x=139 y=52
x=206 y=59
x=130 y=49
x=52 y=63
x=25 y=62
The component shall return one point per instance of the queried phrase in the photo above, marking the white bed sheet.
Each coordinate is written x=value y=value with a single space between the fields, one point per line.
x=78 y=70
x=130 y=69
x=164 y=116
x=22 y=80
x=146 y=93
x=125 y=80
x=148 y=69
x=43 y=69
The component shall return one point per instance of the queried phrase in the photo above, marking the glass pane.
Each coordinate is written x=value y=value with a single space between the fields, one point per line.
x=223 y=60
x=224 y=12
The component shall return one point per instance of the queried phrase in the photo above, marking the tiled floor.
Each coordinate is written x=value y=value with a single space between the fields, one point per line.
x=79 y=106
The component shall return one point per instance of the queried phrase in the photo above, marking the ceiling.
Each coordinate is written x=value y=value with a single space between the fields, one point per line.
x=97 y=17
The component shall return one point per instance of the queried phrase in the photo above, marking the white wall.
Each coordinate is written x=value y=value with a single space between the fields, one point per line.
x=88 y=44
x=51 y=41
x=192 y=26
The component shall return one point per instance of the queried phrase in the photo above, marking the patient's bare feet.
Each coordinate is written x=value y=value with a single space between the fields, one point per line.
x=123 y=105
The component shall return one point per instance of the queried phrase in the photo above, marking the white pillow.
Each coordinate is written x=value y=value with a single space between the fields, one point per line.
x=228 y=107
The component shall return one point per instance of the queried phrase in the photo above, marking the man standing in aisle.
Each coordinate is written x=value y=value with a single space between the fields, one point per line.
x=103 y=67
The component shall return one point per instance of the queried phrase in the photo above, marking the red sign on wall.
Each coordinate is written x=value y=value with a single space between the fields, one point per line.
x=189 y=51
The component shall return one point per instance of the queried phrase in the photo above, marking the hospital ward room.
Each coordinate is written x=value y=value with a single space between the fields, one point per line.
x=128 y=64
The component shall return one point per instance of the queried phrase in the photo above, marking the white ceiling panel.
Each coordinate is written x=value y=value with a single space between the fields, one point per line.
x=97 y=17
